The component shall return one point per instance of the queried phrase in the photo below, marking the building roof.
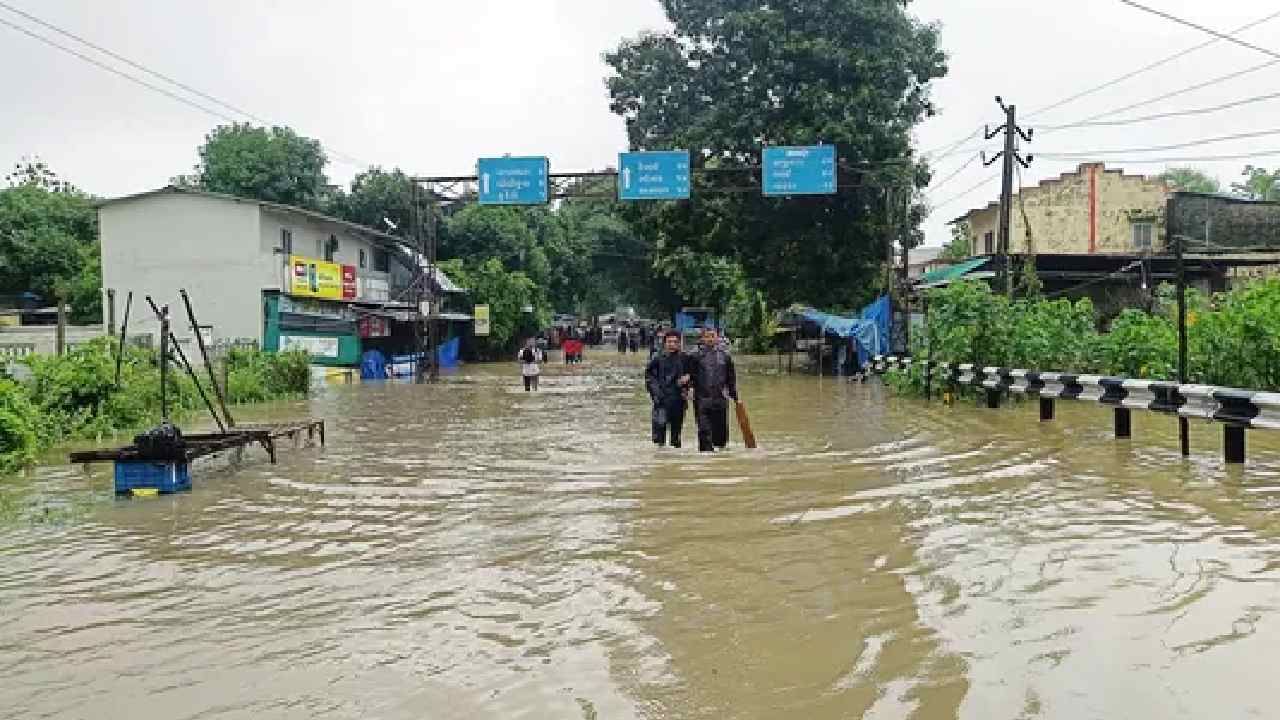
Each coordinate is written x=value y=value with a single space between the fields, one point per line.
x=279 y=207
x=948 y=275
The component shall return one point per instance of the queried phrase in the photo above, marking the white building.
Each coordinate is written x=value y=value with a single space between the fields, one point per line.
x=255 y=271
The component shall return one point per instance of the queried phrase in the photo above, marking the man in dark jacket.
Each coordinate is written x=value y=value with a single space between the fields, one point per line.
x=715 y=383
x=666 y=377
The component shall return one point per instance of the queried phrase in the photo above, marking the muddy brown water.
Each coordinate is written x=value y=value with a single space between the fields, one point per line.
x=466 y=550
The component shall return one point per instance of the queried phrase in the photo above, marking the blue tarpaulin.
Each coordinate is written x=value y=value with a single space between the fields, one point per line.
x=870 y=332
x=880 y=313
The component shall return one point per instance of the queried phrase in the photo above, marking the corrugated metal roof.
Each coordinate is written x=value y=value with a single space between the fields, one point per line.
x=946 y=275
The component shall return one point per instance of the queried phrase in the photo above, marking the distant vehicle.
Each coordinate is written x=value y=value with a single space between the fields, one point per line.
x=690 y=321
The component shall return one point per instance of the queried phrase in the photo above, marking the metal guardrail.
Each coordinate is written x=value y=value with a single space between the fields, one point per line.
x=1236 y=409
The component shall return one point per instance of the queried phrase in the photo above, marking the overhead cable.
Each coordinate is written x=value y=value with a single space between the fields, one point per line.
x=1220 y=35
x=1256 y=155
x=1159 y=148
x=933 y=187
x=139 y=81
x=1145 y=68
x=963 y=193
x=1165 y=115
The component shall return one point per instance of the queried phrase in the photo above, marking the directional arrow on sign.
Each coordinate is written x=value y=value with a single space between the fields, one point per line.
x=626 y=177
x=484 y=183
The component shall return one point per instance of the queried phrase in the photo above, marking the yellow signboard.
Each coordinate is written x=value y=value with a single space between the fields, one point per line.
x=481 y=316
x=309 y=277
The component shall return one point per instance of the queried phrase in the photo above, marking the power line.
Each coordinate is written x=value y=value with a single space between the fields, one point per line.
x=121 y=73
x=933 y=187
x=1169 y=160
x=139 y=81
x=1151 y=66
x=1158 y=148
x=957 y=196
x=1202 y=28
x=1162 y=116
x=130 y=63
x=949 y=147
x=1182 y=91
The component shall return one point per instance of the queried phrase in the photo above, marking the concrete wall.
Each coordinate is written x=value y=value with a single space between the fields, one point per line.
x=1059 y=213
x=158 y=244
x=42 y=339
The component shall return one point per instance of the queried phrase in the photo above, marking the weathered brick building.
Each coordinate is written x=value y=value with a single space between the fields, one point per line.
x=1092 y=210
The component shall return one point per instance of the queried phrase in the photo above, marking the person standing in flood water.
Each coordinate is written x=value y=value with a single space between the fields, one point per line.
x=529 y=358
x=667 y=378
x=715 y=383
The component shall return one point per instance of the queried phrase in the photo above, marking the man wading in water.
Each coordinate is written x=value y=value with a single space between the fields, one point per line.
x=666 y=377
x=529 y=358
x=715 y=383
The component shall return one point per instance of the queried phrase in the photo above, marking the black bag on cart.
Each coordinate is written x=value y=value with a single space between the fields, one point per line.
x=163 y=442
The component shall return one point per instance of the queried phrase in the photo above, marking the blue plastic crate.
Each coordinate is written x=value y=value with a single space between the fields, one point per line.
x=163 y=477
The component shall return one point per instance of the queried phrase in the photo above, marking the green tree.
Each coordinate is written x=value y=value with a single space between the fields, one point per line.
x=377 y=194
x=274 y=164
x=1189 y=179
x=1259 y=184
x=960 y=246
x=734 y=75
x=48 y=240
x=507 y=294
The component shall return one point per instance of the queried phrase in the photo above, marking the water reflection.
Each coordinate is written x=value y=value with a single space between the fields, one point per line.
x=470 y=550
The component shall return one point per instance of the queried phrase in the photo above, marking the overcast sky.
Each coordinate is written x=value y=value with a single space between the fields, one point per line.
x=430 y=85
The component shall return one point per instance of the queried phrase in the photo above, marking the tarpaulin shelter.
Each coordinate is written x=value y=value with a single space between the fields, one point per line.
x=870 y=332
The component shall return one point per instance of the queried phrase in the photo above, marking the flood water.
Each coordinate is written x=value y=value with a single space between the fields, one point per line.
x=466 y=550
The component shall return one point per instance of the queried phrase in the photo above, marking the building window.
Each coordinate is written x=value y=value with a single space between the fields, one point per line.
x=1142 y=234
x=330 y=248
x=286 y=241
x=381 y=262
x=364 y=259
x=988 y=243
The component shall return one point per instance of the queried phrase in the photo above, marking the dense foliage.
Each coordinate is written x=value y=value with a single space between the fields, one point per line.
x=507 y=293
x=74 y=396
x=274 y=164
x=48 y=239
x=732 y=76
x=1233 y=338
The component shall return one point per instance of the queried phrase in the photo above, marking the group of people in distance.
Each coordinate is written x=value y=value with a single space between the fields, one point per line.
x=707 y=377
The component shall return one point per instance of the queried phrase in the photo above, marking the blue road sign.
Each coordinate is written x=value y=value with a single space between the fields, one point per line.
x=513 y=180
x=661 y=175
x=806 y=170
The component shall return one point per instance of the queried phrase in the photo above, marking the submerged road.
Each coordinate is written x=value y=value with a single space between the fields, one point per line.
x=466 y=550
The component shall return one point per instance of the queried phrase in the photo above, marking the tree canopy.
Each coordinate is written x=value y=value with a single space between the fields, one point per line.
x=1259 y=184
x=735 y=75
x=1188 y=179
x=274 y=164
x=48 y=240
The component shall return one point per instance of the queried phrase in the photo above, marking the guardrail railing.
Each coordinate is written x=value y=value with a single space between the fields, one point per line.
x=1235 y=409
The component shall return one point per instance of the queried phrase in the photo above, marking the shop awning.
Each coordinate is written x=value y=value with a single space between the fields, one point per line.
x=967 y=270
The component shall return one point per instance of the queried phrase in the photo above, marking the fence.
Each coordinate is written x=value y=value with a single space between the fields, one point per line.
x=1236 y=409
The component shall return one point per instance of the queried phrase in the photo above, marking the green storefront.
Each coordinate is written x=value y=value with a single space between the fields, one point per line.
x=326 y=329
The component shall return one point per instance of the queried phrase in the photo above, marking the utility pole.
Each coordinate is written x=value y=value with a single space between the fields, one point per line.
x=1009 y=155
